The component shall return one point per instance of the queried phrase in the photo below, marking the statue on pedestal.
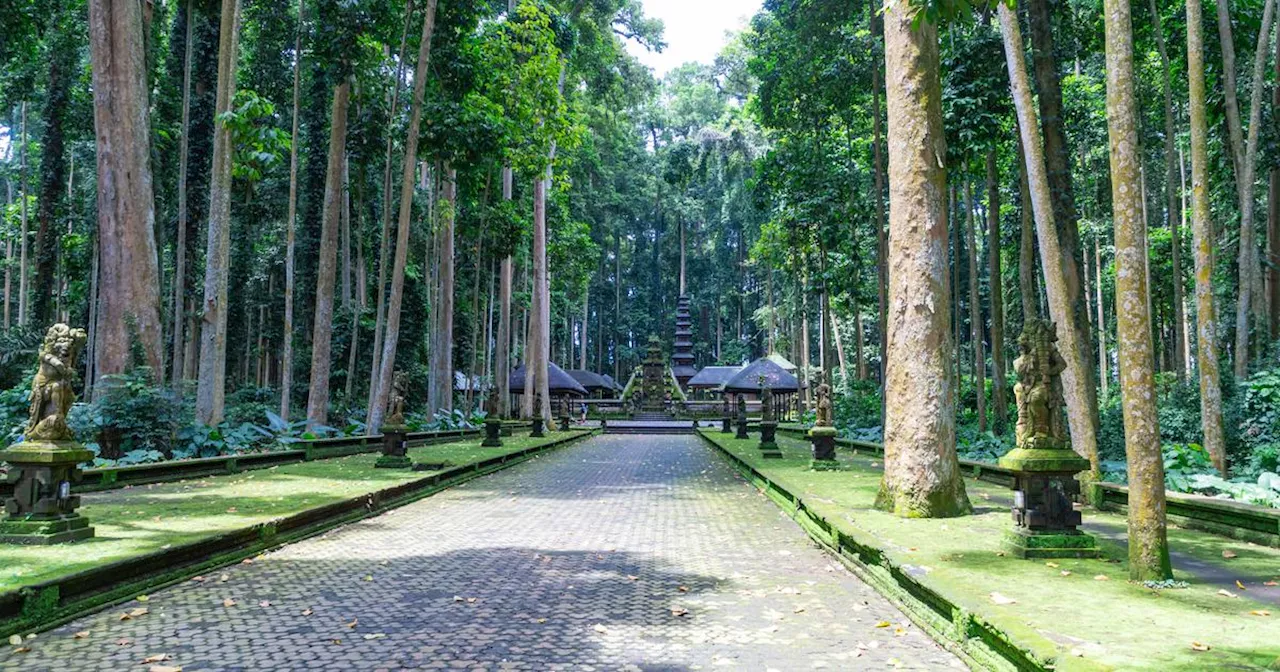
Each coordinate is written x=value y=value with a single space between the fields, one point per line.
x=824 y=415
x=395 y=418
x=52 y=394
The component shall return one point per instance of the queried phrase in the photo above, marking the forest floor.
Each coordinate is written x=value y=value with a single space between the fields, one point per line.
x=1063 y=608
x=136 y=520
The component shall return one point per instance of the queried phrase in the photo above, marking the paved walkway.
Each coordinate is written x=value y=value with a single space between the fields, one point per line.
x=623 y=553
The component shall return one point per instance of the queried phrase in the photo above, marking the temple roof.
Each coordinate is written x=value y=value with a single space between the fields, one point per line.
x=559 y=382
x=589 y=380
x=775 y=378
x=783 y=362
x=714 y=376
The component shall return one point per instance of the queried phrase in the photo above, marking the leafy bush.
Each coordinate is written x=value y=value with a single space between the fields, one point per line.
x=980 y=446
x=1182 y=462
x=1265 y=491
x=128 y=413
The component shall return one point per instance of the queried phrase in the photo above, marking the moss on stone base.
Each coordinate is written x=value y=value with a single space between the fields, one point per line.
x=393 y=462
x=1046 y=545
x=824 y=465
x=1042 y=459
x=45 y=532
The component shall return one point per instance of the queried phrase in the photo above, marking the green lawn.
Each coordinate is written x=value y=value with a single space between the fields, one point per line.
x=143 y=519
x=1076 y=609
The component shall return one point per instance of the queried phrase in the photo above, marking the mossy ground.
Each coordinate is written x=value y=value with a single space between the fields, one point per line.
x=143 y=519
x=1055 y=615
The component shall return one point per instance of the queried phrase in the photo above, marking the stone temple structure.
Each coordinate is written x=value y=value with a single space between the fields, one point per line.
x=682 y=349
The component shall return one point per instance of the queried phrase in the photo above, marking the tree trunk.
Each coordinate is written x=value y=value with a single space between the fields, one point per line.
x=1244 y=158
x=539 y=345
x=440 y=384
x=1104 y=364
x=326 y=267
x=882 y=239
x=997 y=292
x=975 y=311
x=387 y=361
x=129 y=312
x=1172 y=209
x=586 y=318
x=53 y=178
x=23 y=273
x=1202 y=246
x=921 y=472
x=1027 y=243
x=1058 y=167
x=1076 y=379
x=212 y=390
x=345 y=227
x=180 y=251
x=286 y=353
x=8 y=261
x=502 y=356
x=1148 y=546
x=1273 y=227
x=384 y=249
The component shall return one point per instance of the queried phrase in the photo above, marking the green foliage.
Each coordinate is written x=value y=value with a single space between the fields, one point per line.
x=260 y=143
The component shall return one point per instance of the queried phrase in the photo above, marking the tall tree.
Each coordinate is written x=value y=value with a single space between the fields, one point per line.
x=1148 y=545
x=212 y=389
x=290 y=279
x=440 y=380
x=997 y=292
x=53 y=164
x=177 y=308
x=921 y=471
x=1076 y=379
x=129 y=275
x=1173 y=203
x=1202 y=240
x=396 y=298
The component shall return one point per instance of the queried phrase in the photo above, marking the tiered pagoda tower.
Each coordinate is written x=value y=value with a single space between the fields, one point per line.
x=682 y=351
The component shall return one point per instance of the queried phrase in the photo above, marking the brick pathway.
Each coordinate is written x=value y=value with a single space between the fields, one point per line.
x=626 y=552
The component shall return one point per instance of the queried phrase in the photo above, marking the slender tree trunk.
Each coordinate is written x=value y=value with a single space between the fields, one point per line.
x=617 y=307
x=1104 y=363
x=997 y=292
x=1273 y=227
x=1027 y=243
x=1148 y=546
x=286 y=353
x=921 y=472
x=8 y=262
x=1172 y=209
x=882 y=238
x=975 y=311
x=212 y=390
x=129 y=313
x=91 y=372
x=345 y=228
x=586 y=318
x=384 y=249
x=180 y=251
x=1202 y=246
x=23 y=272
x=440 y=384
x=539 y=348
x=1057 y=165
x=45 y=296
x=502 y=363
x=387 y=361
x=1245 y=157
x=1077 y=379
x=322 y=329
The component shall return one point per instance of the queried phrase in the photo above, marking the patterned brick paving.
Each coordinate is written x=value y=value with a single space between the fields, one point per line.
x=623 y=553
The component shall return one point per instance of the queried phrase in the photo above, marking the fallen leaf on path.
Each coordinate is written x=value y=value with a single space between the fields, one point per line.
x=354 y=622
x=883 y=624
x=224 y=578
x=1240 y=585
x=124 y=642
x=684 y=589
x=1259 y=612
x=632 y=577
x=1065 y=573
x=1226 y=593
x=307 y=612
x=142 y=598
x=22 y=649
x=1228 y=554
x=1197 y=646
x=157 y=658
x=1271 y=584
x=228 y=603
x=679 y=611
x=264 y=603
x=368 y=577
x=198 y=579
x=80 y=635
x=375 y=635
x=798 y=610
x=1051 y=564
x=15 y=640
x=599 y=628
x=164 y=668
x=1102 y=577
x=1002 y=599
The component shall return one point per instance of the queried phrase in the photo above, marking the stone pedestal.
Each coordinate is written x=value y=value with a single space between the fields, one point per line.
x=537 y=432
x=1045 y=520
x=492 y=433
x=768 y=440
x=395 y=449
x=564 y=423
x=742 y=429
x=726 y=425
x=42 y=510
x=824 y=448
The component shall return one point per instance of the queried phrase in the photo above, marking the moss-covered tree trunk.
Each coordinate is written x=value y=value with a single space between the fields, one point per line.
x=1077 y=380
x=882 y=238
x=1173 y=212
x=1148 y=545
x=387 y=360
x=327 y=267
x=129 y=275
x=286 y=351
x=1202 y=240
x=440 y=382
x=922 y=474
x=999 y=400
x=1028 y=292
x=212 y=390
x=975 y=310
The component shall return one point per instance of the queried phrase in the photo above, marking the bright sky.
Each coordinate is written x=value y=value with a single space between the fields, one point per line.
x=695 y=29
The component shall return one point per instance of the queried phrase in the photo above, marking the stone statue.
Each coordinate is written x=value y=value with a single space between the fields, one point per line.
x=491 y=403
x=742 y=408
x=1041 y=422
x=766 y=402
x=398 y=385
x=825 y=418
x=52 y=393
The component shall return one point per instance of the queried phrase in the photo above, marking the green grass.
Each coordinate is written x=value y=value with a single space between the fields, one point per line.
x=1110 y=621
x=137 y=520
